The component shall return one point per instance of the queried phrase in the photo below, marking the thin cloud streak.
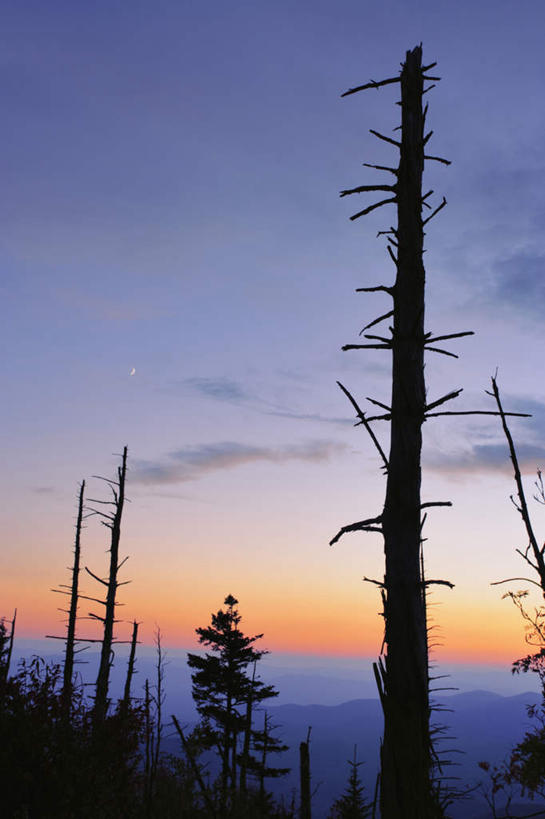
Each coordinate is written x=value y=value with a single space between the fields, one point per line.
x=487 y=459
x=192 y=463
x=232 y=392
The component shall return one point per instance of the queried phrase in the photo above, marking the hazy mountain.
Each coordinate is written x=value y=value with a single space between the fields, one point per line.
x=484 y=726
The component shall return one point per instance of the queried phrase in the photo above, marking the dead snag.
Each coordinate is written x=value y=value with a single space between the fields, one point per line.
x=73 y=592
x=406 y=782
x=112 y=521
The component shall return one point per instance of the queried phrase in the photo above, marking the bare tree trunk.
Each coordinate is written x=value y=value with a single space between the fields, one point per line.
x=406 y=750
x=304 y=774
x=148 y=748
x=159 y=700
x=113 y=522
x=68 y=672
x=407 y=788
x=130 y=669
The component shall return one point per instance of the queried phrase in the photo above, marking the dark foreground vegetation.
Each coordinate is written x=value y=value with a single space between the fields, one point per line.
x=58 y=760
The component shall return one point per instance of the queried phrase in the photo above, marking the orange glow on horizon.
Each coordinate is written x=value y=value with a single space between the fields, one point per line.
x=465 y=633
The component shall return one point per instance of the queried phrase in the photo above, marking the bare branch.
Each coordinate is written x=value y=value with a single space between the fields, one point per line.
x=377 y=320
x=438 y=158
x=450 y=335
x=392 y=254
x=512 y=579
x=363 y=420
x=365 y=211
x=385 y=138
x=378 y=404
x=100 y=580
x=477 y=412
x=438 y=583
x=366 y=189
x=366 y=347
x=538 y=554
x=435 y=503
x=435 y=212
x=443 y=352
x=376 y=582
x=371 y=84
x=380 y=288
x=358 y=526
x=378 y=338
x=380 y=168
x=448 y=397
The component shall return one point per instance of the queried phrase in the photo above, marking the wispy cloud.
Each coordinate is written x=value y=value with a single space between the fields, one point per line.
x=488 y=458
x=488 y=451
x=519 y=281
x=233 y=392
x=222 y=389
x=192 y=463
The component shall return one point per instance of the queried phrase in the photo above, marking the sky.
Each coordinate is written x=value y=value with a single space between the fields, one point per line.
x=171 y=173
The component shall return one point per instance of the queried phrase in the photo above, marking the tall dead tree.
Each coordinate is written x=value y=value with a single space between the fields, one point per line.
x=407 y=788
x=112 y=521
x=71 y=591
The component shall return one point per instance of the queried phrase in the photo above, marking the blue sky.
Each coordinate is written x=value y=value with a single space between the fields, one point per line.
x=171 y=174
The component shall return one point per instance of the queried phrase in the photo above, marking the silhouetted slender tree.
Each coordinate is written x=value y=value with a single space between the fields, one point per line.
x=73 y=592
x=402 y=673
x=126 y=701
x=112 y=521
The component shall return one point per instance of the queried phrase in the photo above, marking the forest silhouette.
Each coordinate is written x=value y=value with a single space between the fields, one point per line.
x=71 y=749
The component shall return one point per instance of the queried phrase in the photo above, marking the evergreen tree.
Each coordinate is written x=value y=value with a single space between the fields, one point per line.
x=222 y=687
x=351 y=805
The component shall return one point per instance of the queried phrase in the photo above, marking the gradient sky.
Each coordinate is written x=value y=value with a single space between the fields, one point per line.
x=170 y=203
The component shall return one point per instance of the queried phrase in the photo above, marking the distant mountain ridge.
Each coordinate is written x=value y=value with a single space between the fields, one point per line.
x=484 y=725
